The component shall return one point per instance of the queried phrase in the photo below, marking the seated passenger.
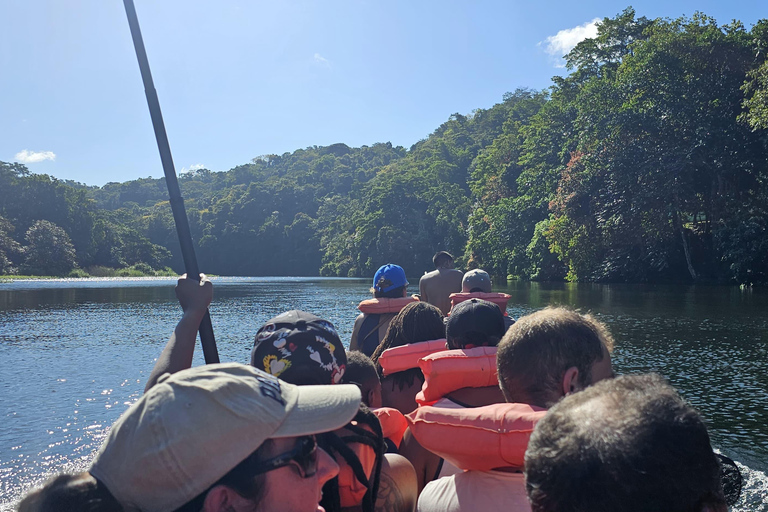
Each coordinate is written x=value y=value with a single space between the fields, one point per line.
x=473 y=323
x=542 y=357
x=642 y=448
x=436 y=287
x=223 y=437
x=306 y=350
x=389 y=297
x=300 y=348
x=417 y=322
x=362 y=372
x=476 y=284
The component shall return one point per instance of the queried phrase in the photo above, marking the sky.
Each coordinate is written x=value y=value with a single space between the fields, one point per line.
x=238 y=79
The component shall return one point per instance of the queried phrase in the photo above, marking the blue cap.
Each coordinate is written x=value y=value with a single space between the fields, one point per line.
x=393 y=273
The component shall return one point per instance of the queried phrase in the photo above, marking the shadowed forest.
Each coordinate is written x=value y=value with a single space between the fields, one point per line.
x=648 y=162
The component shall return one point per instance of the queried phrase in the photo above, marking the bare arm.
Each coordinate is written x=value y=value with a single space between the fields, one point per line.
x=424 y=462
x=423 y=290
x=195 y=297
x=397 y=486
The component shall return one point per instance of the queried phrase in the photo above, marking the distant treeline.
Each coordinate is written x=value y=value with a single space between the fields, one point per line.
x=648 y=162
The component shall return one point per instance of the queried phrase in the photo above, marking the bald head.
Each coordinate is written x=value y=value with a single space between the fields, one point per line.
x=629 y=444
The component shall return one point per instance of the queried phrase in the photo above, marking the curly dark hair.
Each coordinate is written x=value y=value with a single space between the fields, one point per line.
x=416 y=322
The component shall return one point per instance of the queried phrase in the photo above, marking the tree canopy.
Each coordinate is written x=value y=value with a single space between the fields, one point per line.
x=648 y=162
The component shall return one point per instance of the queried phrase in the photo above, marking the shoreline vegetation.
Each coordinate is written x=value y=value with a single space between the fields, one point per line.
x=647 y=163
x=99 y=272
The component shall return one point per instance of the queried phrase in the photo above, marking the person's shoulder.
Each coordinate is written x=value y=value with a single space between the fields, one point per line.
x=398 y=488
x=439 y=495
x=429 y=275
x=496 y=483
x=398 y=466
x=439 y=484
x=493 y=474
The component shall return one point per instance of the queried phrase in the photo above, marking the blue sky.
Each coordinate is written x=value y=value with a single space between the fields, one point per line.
x=238 y=79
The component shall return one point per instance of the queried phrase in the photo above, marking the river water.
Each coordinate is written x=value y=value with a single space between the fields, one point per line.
x=75 y=353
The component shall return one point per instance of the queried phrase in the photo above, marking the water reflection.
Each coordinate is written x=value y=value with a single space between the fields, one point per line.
x=75 y=354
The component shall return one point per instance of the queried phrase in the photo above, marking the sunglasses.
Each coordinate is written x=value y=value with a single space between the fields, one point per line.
x=304 y=456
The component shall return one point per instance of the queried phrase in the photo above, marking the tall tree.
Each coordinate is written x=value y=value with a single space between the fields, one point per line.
x=49 y=250
x=10 y=249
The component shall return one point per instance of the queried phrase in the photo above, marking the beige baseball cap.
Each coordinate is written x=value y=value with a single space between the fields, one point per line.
x=194 y=426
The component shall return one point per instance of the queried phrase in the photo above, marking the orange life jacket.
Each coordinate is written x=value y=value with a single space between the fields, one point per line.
x=451 y=370
x=385 y=305
x=405 y=357
x=477 y=438
x=393 y=424
x=351 y=490
x=500 y=299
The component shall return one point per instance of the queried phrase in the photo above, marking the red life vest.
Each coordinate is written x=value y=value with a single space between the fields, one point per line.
x=351 y=490
x=500 y=299
x=477 y=438
x=385 y=305
x=405 y=357
x=451 y=370
x=393 y=424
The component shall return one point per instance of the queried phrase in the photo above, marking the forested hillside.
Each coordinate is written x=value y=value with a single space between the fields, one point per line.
x=648 y=162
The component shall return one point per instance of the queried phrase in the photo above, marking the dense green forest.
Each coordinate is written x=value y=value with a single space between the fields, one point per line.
x=647 y=162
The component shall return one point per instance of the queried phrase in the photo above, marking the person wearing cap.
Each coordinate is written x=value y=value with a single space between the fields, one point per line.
x=389 y=297
x=630 y=444
x=476 y=284
x=302 y=349
x=543 y=357
x=223 y=437
x=437 y=286
x=473 y=323
x=476 y=280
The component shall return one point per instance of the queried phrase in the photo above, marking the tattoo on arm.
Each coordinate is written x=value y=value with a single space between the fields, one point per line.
x=389 y=499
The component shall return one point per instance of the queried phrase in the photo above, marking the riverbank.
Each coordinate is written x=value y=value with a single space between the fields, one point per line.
x=138 y=270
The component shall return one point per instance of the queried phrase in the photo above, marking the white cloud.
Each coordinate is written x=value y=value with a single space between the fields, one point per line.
x=195 y=167
x=26 y=156
x=319 y=59
x=564 y=41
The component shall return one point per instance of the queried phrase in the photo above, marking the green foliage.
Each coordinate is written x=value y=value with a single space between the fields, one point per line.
x=648 y=162
x=756 y=100
x=755 y=88
x=49 y=250
x=138 y=270
x=10 y=249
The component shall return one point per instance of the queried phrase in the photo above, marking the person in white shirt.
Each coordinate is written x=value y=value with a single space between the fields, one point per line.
x=543 y=357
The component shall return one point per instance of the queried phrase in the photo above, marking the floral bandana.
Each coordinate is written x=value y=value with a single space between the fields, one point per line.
x=300 y=348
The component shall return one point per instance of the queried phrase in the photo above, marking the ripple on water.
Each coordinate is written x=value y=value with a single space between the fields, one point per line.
x=754 y=496
x=76 y=354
